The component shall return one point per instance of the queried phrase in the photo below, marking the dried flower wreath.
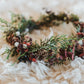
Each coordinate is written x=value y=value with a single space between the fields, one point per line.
x=55 y=50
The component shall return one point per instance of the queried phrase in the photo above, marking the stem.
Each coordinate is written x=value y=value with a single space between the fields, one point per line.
x=21 y=55
x=73 y=52
x=65 y=53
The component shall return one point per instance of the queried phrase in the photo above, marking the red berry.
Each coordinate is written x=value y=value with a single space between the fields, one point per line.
x=30 y=58
x=17 y=51
x=34 y=60
x=79 y=33
x=28 y=44
x=24 y=42
x=26 y=50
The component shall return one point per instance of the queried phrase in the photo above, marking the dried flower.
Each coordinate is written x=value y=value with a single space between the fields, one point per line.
x=26 y=50
x=24 y=46
x=26 y=37
x=17 y=33
x=16 y=44
x=28 y=44
x=34 y=60
x=17 y=51
x=26 y=30
x=80 y=42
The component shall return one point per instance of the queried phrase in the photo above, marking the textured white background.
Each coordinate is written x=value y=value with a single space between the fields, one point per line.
x=39 y=73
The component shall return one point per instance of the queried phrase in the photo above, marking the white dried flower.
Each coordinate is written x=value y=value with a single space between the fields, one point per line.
x=26 y=30
x=16 y=44
x=26 y=37
x=80 y=42
x=17 y=33
x=24 y=46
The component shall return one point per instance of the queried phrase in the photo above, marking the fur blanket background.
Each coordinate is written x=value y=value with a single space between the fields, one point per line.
x=38 y=73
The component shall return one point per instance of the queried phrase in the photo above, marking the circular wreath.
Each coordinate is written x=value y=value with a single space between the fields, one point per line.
x=55 y=50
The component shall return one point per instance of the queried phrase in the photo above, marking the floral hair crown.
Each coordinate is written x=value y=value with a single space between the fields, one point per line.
x=48 y=50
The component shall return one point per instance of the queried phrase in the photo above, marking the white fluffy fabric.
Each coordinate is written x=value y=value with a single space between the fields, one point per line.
x=38 y=73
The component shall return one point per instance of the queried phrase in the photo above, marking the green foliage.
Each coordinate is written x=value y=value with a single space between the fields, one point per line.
x=3 y=21
x=21 y=55
x=78 y=28
x=8 y=51
x=74 y=18
x=54 y=44
x=11 y=52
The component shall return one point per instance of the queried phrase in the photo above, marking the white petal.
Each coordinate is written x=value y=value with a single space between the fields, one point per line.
x=80 y=42
x=26 y=30
x=16 y=44
x=24 y=46
x=17 y=33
